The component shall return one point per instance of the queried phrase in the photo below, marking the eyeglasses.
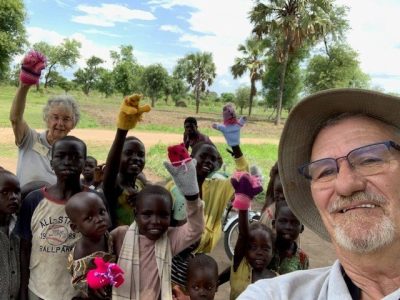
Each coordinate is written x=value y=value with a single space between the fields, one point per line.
x=57 y=118
x=367 y=160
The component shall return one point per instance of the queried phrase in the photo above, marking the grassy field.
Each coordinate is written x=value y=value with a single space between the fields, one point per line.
x=99 y=112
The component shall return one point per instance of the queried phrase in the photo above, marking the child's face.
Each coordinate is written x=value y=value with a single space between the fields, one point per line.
x=259 y=251
x=278 y=190
x=68 y=159
x=153 y=216
x=207 y=160
x=90 y=166
x=132 y=158
x=90 y=217
x=287 y=226
x=10 y=194
x=202 y=284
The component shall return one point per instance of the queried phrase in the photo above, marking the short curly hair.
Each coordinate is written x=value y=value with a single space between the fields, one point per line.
x=66 y=101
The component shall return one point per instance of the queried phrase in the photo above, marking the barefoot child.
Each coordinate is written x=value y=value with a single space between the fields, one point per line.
x=254 y=247
x=90 y=218
x=288 y=256
x=125 y=162
x=10 y=197
x=202 y=277
x=43 y=225
x=145 y=249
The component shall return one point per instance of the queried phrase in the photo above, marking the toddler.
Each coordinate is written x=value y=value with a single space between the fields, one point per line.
x=288 y=256
x=10 y=197
x=89 y=217
x=146 y=248
x=88 y=172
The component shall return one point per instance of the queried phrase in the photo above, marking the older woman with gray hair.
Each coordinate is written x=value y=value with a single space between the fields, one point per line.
x=61 y=114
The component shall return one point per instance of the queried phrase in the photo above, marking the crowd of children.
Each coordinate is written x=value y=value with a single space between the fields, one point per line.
x=106 y=224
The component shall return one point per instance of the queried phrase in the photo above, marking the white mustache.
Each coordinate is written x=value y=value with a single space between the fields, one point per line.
x=359 y=197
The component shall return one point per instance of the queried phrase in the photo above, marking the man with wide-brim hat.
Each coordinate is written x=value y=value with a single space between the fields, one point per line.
x=339 y=163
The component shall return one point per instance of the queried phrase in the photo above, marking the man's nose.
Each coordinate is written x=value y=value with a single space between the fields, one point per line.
x=348 y=181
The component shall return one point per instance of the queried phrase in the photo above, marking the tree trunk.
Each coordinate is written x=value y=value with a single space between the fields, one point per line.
x=197 y=100
x=252 y=93
x=282 y=81
x=153 y=101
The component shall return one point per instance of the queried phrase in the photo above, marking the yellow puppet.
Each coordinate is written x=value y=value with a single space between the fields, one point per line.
x=130 y=112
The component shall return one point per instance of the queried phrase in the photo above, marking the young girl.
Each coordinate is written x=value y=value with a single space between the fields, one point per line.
x=125 y=162
x=89 y=217
x=254 y=247
x=146 y=248
x=288 y=256
x=10 y=201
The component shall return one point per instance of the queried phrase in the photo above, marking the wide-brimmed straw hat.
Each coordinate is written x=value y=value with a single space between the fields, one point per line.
x=298 y=135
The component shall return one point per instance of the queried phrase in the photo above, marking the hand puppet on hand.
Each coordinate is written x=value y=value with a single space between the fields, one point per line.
x=131 y=112
x=105 y=274
x=182 y=169
x=231 y=126
x=246 y=188
x=32 y=65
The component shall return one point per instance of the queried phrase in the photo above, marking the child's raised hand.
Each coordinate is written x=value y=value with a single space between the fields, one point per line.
x=182 y=169
x=32 y=65
x=246 y=188
x=130 y=112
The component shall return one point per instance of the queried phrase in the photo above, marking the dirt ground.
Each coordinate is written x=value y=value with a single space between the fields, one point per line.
x=320 y=252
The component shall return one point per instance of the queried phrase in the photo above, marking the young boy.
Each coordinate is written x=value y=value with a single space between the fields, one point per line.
x=44 y=227
x=10 y=197
x=288 y=257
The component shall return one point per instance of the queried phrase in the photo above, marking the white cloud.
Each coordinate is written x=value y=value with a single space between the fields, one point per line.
x=106 y=15
x=171 y=28
x=36 y=34
x=101 y=32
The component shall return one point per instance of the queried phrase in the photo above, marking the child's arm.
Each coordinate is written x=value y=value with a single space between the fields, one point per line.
x=118 y=235
x=224 y=276
x=25 y=257
x=185 y=179
x=246 y=187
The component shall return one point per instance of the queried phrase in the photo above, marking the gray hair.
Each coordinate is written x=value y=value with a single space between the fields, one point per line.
x=66 y=101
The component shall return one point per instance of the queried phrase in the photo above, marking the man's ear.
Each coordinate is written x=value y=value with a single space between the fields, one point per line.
x=273 y=223
x=302 y=228
x=74 y=227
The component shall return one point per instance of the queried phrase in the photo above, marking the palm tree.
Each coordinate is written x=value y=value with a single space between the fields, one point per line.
x=253 y=60
x=291 y=23
x=198 y=69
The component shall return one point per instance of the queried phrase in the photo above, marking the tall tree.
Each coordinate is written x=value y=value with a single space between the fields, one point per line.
x=154 y=81
x=106 y=84
x=126 y=72
x=198 y=69
x=338 y=67
x=253 y=60
x=12 y=32
x=88 y=77
x=64 y=55
x=291 y=23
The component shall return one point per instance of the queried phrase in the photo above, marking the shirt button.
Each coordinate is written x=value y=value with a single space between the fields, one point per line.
x=11 y=249
x=12 y=272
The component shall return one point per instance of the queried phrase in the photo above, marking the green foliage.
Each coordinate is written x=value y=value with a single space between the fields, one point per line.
x=178 y=89
x=338 y=67
x=64 y=55
x=198 y=69
x=293 y=80
x=105 y=83
x=227 y=97
x=242 y=97
x=12 y=32
x=126 y=72
x=154 y=81
x=88 y=77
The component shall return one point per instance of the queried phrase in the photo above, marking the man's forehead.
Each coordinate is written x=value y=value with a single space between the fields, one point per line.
x=69 y=146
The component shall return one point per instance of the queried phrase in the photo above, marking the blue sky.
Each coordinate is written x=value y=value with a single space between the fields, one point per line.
x=162 y=31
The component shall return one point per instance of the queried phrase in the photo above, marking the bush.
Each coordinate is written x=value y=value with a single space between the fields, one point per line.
x=181 y=103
